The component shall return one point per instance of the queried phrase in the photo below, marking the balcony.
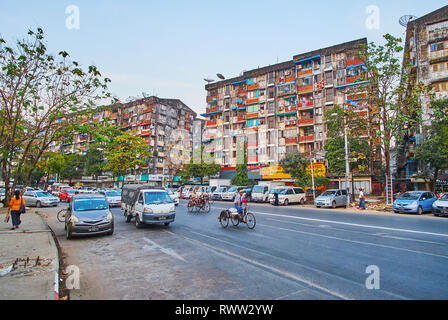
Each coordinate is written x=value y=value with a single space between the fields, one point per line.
x=211 y=123
x=215 y=109
x=308 y=121
x=353 y=62
x=290 y=140
x=304 y=139
x=144 y=122
x=305 y=89
x=291 y=78
x=304 y=73
x=356 y=78
x=306 y=104
x=252 y=115
x=252 y=101
x=147 y=110
x=212 y=99
x=114 y=116
x=254 y=86
x=126 y=115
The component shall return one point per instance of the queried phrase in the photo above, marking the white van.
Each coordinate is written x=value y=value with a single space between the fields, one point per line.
x=260 y=193
x=147 y=205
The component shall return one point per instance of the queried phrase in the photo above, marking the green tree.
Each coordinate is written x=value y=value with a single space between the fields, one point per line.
x=241 y=177
x=126 y=152
x=95 y=161
x=42 y=99
x=295 y=164
x=398 y=106
x=74 y=167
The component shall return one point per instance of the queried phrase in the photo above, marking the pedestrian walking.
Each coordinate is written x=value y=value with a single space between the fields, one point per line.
x=362 y=199
x=275 y=198
x=16 y=208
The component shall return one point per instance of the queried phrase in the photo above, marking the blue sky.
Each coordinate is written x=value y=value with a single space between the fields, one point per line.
x=167 y=47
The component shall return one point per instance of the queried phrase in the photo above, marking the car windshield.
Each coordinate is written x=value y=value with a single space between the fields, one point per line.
x=72 y=191
x=277 y=190
x=328 y=193
x=233 y=189
x=283 y=191
x=220 y=189
x=157 y=198
x=444 y=197
x=410 y=196
x=169 y=191
x=258 y=189
x=113 y=194
x=43 y=194
x=90 y=204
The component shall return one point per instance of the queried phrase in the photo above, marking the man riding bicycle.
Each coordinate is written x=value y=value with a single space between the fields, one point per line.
x=238 y=203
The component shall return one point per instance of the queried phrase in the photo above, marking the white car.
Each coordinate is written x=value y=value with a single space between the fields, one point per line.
x=231 y=193
x=173 y=196
x=440 y=207
x=260 y=193
x=288 y=195
x=113 y=197
x=40 y=199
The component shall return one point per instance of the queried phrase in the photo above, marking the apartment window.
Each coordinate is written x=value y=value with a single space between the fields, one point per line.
x=253 y=108
x=439 y=46
x=160 y=160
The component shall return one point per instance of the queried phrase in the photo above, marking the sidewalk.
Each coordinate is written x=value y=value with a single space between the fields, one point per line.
x=32 y=251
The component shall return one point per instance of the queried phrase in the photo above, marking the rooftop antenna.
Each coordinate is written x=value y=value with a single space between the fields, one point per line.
x=404 y=20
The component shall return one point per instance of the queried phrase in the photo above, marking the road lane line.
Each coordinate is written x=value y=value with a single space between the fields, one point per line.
x=354 y=241
x=262 y=265
x=352 y=224
x=382 y=235
x=167 y=251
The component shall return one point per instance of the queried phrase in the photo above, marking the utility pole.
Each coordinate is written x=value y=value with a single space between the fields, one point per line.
x=347 y=162
x=312 y=175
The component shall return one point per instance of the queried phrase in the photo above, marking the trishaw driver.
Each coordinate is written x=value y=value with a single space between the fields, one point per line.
x=237 y=203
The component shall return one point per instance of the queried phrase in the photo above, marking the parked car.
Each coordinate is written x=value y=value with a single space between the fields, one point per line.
x=40 y=199
x=440 y=207
x=2 y=194
x=248 y=193
x=147 y=204
x=173 y=196
x=186 y=192
x=332 y=198
x=67 y=194
x=260 y=193
x=414 y=202
x=113 y=197
x=231 y=193
x=217 y=194
x=59 y=188
x=290 y=195
x=275 y=190
x=88 y=214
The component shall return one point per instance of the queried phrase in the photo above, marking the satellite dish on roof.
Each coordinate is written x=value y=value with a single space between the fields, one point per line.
x=404 y=20
x=220 y=76
x=208 y=80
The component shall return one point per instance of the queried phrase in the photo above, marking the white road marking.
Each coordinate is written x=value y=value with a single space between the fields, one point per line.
x=167 y=251
x=352 y=224
x=253 y=262
x=354 y=241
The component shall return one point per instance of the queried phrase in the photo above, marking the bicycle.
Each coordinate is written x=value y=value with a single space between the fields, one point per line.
x=232 y=214
x=61 y=215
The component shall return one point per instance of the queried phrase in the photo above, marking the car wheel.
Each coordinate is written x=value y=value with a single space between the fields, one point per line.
x=111 y=232
x=167 y=224
x=302 y=201
x=38 y=204
x=286 y=202
x=396 y=211
x=419 y=210
x=333 y=205
x=138 y=223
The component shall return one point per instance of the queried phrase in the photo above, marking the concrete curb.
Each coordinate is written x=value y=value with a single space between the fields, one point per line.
x=55 y=263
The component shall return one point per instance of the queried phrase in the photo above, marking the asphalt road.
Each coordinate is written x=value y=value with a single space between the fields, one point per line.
x=293 y=253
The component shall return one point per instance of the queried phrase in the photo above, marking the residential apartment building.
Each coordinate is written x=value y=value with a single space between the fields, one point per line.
x=279 y=109
x=426 y=52
x=166 y=125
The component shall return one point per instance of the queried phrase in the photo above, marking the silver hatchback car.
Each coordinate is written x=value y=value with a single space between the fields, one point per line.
x=332 y=198
x=40 y=199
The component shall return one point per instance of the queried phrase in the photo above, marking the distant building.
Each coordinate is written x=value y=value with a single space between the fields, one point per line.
x=279 y=109
x=165 y=124
x=426 y=50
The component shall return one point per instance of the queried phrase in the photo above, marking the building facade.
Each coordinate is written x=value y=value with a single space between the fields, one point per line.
x=279 y=109
x=166 y=125
x=426 y=61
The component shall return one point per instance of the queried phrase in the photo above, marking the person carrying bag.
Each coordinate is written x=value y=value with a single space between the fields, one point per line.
x=16 y=208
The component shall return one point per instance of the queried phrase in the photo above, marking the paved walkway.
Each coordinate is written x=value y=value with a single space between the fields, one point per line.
x=33 y=253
